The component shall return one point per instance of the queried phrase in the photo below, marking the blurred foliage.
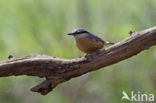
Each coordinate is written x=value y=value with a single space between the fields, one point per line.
x=40 y=27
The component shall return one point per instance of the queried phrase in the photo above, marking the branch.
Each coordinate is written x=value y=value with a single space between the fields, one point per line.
x=58 y=70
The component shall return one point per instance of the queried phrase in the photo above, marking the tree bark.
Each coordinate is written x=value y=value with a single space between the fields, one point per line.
x=57 y=70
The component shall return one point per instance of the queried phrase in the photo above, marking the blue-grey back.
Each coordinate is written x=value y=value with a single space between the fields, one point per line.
x=92 y=36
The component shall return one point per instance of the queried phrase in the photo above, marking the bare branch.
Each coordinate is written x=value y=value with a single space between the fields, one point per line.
x=58 y=70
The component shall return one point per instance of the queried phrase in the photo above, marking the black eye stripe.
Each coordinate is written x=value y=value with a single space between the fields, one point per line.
x=80 y=32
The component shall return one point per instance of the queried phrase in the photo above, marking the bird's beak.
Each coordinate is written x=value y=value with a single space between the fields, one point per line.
x=70 y=34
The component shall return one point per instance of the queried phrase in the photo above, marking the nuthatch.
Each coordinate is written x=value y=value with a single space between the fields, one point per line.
x=87 y=42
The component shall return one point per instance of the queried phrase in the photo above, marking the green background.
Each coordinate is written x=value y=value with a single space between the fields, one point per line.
x=40 y=26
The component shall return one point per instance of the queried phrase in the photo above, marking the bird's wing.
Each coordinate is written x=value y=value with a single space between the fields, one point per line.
x=91 y=36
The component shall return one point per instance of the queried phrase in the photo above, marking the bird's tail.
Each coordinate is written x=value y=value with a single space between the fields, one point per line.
x=107 y=42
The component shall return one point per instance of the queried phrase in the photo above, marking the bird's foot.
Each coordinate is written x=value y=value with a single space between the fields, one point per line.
x=98 y=52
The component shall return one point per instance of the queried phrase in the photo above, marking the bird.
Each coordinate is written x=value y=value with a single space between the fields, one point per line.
x=88 y=42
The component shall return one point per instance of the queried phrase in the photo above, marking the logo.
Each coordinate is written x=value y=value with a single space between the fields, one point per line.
x=137 y=96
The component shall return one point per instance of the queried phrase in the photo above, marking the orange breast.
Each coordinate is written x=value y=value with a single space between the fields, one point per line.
x=88 y=45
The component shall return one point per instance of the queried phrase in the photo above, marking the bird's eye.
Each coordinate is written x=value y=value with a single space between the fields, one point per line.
x=77 y=32
x=80 y=32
